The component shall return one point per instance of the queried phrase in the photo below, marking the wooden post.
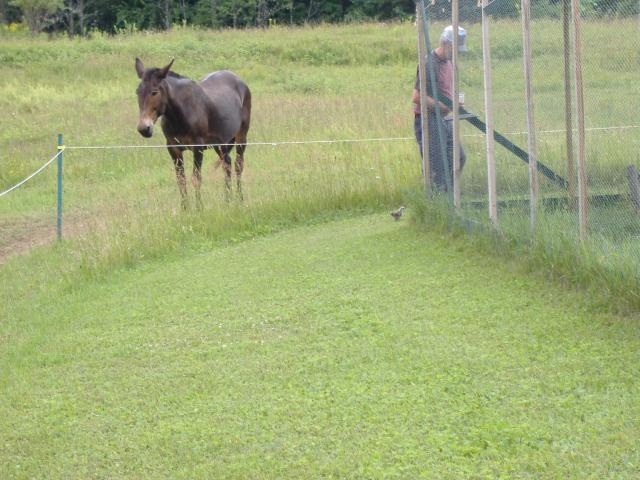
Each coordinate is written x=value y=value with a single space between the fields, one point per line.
x=634 y=186
x=582 y=175
x=531 y=142
x=488 y=109
x=456 y=106
x=568 y=104
x=422 y=74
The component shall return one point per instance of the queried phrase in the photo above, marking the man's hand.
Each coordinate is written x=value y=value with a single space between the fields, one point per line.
x=431 y=105
x=444 y=109
x=415 y=98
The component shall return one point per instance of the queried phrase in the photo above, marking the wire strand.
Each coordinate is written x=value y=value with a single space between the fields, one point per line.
x=33 y=174
x=308 y=142
x=210 y=145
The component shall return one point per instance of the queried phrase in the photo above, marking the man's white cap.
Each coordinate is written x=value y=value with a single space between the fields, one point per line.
x=447 y=36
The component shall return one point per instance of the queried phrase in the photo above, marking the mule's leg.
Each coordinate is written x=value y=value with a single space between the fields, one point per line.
x=196 y=177
x=241 y=141
x=239 y=166
x=225 y=159
x=178 y=162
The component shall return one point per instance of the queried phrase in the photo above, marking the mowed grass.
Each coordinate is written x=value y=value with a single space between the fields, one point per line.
x=357 y=349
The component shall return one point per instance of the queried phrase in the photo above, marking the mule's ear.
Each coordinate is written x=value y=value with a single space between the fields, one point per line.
x=139 y=68
x=165 y=70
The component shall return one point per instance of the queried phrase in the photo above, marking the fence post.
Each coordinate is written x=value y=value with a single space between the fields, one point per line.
x=531 y=129
x=59 y=217
x=422 y=75
x=582 y=175
x=456 y=106
x=566 y=34
x=488 y=108
x=442 y=143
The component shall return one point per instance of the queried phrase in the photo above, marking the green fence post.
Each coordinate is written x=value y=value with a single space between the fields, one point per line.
x=59 y=222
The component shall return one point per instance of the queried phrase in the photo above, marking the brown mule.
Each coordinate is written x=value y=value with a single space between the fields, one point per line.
x=216 y=110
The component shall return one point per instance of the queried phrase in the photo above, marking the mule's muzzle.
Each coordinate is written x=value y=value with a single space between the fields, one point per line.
x=145 y=130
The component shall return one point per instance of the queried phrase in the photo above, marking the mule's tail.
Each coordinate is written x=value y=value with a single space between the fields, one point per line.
x=223 y=155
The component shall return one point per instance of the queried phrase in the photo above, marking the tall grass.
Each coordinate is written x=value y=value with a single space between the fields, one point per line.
x=607 y=270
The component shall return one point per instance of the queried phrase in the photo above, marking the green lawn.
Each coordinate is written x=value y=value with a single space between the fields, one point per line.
x=360 y=348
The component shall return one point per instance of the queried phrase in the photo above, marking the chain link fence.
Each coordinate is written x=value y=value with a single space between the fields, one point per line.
x=610 y=65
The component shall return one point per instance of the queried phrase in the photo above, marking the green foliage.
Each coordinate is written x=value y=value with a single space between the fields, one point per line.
x=38 y=14
x=613 y=7
x=115 y=16
x=82 y=16
x=9 y=13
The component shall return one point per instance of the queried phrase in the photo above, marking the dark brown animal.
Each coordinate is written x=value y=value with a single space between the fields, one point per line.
x=216 y=110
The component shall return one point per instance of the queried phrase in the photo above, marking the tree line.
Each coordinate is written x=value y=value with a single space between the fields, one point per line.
x=80 y=16
x=77 y=17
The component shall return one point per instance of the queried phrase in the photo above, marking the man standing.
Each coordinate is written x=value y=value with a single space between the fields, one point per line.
x=440 y=61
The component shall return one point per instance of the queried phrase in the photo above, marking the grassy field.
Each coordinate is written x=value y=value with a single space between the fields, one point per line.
x=326 y=82
x=357 y=349
x=307 y=84
x=221 y=343
x=322 y=82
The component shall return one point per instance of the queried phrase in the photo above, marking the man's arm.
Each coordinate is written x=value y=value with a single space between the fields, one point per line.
x=416 y=96
x=430 y=102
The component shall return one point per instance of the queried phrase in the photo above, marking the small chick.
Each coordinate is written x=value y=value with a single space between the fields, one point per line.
x=397 y=213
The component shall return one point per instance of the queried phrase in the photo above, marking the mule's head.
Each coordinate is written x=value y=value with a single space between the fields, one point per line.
x=152 y=95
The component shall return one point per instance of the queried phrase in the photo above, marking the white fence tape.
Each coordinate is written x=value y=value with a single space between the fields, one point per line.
x=33 y=174
x=274 y=144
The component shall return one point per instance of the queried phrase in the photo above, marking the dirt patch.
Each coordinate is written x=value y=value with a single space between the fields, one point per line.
x=19 y=235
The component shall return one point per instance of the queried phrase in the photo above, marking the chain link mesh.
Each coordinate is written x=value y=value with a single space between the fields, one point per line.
x=610 y=32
